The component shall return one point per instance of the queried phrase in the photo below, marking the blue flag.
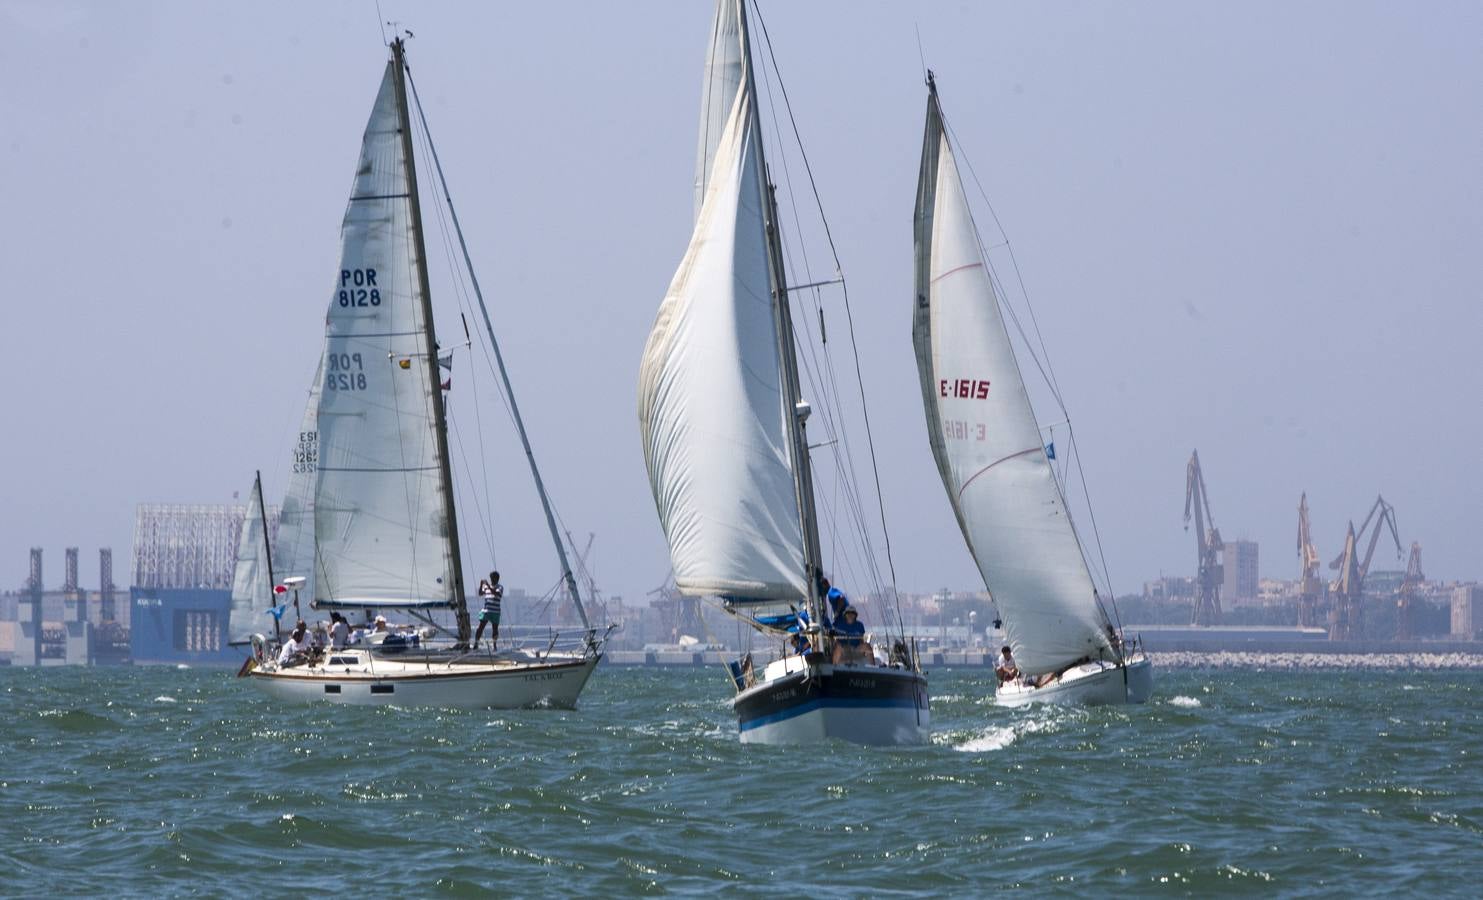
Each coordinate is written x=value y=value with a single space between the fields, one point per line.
x=1050 y=450
x=278 y=611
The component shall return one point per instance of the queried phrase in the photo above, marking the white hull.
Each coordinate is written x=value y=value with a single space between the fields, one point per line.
x=862 y=704
x=1089 y=684
x=554 y=681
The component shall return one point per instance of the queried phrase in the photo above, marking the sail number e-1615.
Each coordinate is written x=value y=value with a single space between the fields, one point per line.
x=964 y=388
x=358 y=288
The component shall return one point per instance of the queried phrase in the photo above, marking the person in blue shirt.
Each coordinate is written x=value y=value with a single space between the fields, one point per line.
x=835 y=601
x=799 y=639
x=850 y=646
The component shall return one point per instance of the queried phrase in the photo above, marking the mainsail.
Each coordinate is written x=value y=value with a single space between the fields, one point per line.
x=381 y=523
x=985 y=437
x=252 y=586
x=712 y=413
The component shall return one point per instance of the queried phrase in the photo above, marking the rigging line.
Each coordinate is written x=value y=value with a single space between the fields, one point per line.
x=381 y=23
x=1047 y=371
x=849 y=317
x=485 y=522
x=1013 y=260
x=461 y=290
x=569 y=579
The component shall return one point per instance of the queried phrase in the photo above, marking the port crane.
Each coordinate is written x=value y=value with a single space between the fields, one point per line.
x=1208 y=544
x=1346 y=616
x=1406 y=598
x=1311 y=584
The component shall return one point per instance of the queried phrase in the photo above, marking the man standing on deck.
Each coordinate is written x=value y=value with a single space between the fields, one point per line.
x=493 y=593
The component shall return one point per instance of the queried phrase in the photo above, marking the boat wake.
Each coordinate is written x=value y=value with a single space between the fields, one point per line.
x=1186 y=702
x=998 y=737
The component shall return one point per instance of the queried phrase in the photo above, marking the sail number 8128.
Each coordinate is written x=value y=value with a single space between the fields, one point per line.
x=358 y=288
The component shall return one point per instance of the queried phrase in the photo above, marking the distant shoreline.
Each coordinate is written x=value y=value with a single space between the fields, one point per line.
x=1296 y=661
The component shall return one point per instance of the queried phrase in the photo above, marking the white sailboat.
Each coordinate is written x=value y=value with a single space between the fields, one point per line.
x=994 y=464
x=722 y=421
x=378 y=531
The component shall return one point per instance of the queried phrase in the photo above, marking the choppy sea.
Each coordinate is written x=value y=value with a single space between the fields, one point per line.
x=176 y=782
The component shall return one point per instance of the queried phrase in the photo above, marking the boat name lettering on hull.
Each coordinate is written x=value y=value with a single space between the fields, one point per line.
x=544 y=676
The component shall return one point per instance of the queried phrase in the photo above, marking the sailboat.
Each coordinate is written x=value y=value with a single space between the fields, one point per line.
x=996 y=466
x=723 y=426
x=378 y=531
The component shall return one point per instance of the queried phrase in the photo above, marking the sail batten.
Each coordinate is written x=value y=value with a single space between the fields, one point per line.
x=984 y=435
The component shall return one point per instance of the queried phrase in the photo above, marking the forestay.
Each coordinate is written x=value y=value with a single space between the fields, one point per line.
x=984 y=434
x=380 y=521
x=711 y=409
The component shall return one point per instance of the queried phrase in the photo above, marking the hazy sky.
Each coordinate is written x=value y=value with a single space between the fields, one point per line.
x=1249 y=228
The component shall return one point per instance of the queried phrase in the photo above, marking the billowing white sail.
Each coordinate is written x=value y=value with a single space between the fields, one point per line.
x=251 y=591
x=984 y=434
x=711 y=410
x=380 y=521
x=293 y=549
x=723 y=81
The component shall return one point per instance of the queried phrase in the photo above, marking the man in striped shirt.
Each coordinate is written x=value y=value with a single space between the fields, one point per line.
x=493 y=592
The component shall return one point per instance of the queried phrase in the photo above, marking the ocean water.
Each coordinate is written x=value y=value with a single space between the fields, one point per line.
x=174 y=782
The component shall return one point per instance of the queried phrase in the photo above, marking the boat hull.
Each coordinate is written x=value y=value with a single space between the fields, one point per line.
x=861 y=704
x=555 y=683
x=1090 y=684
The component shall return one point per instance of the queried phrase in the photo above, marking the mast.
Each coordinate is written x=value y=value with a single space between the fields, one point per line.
x=262 y=509
x=567 y=577
x=440 y=420
x=797 y=410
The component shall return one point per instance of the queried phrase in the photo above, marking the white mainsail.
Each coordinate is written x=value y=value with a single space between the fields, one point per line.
x=293 y=549
x=381 y=525
x=723 y=81
x=985 y=437
x=251 y=591
x=711 y=409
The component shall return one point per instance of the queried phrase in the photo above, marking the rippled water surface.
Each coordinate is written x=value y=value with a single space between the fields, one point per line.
x=162 y=781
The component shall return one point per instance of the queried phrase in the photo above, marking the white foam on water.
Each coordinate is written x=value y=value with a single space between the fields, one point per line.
x=163 y=699
x=993 y=739
x=1187 y=702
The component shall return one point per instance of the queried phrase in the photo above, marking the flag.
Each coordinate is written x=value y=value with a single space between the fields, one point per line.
x=446 y=362
x=1050 y=450
x=278 y=611
x=447 y=385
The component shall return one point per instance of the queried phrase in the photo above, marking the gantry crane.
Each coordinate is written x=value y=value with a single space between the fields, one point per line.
x=1405 y=601
x=1346 y=617
x=1311 y=585
x=1208 y=544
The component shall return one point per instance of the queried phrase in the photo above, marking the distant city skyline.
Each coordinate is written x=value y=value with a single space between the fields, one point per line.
x=1249 y=230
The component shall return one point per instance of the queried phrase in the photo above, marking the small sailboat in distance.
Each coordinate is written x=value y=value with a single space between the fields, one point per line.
x=370 y=524
x=995 y=464
x=722 y=420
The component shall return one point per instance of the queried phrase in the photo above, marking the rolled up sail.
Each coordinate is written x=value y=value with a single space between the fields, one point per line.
x=711 y=409
x=380 y=522
x=984 y=435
